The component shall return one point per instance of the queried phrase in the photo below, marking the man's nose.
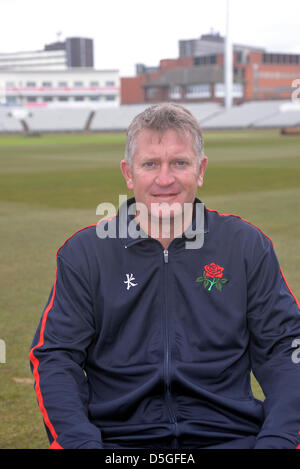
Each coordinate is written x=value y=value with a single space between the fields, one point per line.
x=165 y=177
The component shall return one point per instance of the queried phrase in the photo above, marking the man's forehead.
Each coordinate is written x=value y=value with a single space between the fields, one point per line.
x=167 y=136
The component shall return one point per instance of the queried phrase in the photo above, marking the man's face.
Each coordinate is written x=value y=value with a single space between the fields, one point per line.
x=164 y=170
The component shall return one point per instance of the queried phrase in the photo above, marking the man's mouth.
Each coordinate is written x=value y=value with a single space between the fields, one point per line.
x=165 y=196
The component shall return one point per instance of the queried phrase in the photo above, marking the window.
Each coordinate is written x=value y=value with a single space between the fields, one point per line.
x=47 y=99
x=175 y=92
x=109 y=83
x=78 y=83
x=31 y=99
x=219 y=90
x=11 y=99
x=10 y=84
x=31 y=84
x=239 y=57
x=110 y=97
x=62 y=98
x=237 y=90
x=151 y=93
x=198 y=91
x=62 y=83
x=79 y=98
x=47 y=84
x=205 y=60
x=94 y=98
x=94 y=83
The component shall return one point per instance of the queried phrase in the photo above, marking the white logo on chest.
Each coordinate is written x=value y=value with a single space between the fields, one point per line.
x=129 y=281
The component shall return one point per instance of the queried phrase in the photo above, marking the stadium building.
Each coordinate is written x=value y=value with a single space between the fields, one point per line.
x=60 y=55
x=197 y=75
x=64 y=86
x=63 y=72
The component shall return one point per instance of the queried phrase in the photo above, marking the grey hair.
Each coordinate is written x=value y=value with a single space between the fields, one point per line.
x=162 y=117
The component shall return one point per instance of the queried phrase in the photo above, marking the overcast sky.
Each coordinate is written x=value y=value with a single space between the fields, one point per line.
x=126 y=32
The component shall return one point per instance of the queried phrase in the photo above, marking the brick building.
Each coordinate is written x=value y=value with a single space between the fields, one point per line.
x=197 y=75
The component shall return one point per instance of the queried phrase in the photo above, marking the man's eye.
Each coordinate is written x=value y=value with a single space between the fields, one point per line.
x=180 y=163
x=149 y=164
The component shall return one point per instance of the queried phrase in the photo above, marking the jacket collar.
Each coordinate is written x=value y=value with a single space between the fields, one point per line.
x=124 y=220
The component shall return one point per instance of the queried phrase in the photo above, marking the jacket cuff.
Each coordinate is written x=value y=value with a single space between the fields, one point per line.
x=91 y=445
x=273 y=442
x=87 y=445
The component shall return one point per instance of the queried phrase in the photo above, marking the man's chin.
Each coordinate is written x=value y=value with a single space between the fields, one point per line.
x=165 y=211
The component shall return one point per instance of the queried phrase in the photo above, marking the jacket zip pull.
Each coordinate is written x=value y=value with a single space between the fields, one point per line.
x=166 y=256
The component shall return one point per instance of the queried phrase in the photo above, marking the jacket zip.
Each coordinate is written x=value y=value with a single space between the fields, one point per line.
x=166 y=256
x=173 y=419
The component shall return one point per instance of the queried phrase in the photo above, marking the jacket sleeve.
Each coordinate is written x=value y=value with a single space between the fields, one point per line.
x=274 y=323
x=58 y=356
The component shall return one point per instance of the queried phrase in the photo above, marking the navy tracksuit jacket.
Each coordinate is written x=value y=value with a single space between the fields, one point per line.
x=139 y=347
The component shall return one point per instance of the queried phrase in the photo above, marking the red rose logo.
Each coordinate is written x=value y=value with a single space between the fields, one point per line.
x=213 y=270
x=212 y=276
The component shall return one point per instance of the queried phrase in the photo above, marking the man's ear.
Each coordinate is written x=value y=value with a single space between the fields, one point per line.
x=127 y=173
x=202 y=171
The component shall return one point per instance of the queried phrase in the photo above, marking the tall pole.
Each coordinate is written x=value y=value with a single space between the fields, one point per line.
x=228 y=65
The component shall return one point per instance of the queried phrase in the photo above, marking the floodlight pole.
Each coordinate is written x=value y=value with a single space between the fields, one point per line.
x=228 y=65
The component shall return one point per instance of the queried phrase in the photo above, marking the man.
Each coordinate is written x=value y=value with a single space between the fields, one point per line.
x=147 y=341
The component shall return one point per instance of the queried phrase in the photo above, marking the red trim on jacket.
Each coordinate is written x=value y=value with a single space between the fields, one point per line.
x=249 y=223
x=35 y=364
x=35 y=361
x=237 y=216
x=55 y=445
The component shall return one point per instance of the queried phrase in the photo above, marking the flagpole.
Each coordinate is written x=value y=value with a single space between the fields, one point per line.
x=228 y=62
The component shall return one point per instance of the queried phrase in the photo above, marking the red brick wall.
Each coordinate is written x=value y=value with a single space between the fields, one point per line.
x=131 y=89
x=168 y=64
x=271 y=78
x=262 y=81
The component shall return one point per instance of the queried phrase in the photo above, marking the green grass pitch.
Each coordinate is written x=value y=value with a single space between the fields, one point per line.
x=50 y=187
